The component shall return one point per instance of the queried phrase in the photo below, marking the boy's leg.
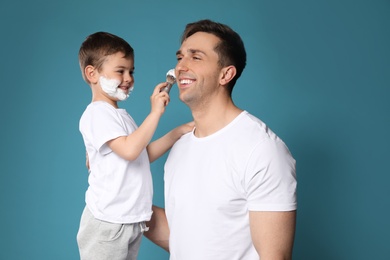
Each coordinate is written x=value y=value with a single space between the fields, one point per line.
x=135 y=243
x=99 y=240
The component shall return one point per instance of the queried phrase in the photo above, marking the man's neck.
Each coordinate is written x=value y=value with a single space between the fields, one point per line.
x=213 y=117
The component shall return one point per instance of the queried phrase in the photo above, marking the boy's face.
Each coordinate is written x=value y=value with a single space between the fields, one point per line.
x=116 y=76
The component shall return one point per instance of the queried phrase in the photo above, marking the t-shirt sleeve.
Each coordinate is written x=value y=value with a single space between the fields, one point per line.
x=101 y=123
x=270 y=178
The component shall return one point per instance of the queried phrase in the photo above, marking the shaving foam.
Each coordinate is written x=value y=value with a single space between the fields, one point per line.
x=110 y=86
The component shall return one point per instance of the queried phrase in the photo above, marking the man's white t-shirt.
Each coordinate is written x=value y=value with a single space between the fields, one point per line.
x=120 y=191
x=211 y=183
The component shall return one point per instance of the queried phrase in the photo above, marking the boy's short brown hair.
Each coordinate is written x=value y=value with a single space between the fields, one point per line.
x=97 y=46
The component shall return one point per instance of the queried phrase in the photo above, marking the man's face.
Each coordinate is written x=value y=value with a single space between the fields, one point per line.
x=197 y=70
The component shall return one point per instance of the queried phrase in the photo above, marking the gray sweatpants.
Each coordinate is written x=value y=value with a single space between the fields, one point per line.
x=100 y=240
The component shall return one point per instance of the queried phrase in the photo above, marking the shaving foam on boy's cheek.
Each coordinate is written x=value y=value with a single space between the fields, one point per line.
x=110 y=86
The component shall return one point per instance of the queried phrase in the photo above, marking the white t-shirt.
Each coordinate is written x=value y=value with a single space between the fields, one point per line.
x=211 y=183
x=119 y=191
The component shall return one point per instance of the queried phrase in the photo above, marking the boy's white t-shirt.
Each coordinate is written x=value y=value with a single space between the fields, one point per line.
x=120 y=191
x=211 y=183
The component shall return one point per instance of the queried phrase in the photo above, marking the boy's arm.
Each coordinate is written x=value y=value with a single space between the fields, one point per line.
x=157 y=148
x=130 y=147
x=158 y=231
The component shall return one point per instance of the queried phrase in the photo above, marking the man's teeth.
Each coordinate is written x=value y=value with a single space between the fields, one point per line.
x=186 y=81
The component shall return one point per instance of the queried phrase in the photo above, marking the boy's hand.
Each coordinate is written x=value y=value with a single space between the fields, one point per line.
x=87 y=161
x=182 y=129
x=159 y=100
x=185 y=128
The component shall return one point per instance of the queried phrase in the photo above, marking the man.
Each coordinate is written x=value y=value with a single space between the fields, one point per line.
x=230 y=185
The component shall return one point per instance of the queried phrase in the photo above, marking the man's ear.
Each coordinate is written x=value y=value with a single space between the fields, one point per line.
x=91 y=74
x=227 y=74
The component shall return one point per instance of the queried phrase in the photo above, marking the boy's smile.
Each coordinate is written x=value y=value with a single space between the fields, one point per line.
x=116 y=76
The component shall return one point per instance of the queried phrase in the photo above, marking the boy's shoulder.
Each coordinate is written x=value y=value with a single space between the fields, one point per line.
x=98 y=108
x=100 y=105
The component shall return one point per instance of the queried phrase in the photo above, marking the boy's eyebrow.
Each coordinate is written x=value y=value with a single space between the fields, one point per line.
x=124 y=67
x=192 y=51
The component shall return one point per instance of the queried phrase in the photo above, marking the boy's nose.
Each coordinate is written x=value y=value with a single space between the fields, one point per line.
x=129 y=78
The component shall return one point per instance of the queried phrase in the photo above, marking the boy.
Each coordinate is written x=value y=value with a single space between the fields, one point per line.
x=119 y=196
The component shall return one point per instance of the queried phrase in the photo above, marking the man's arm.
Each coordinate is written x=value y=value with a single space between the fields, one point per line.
x=273 y=233
x=158 y=231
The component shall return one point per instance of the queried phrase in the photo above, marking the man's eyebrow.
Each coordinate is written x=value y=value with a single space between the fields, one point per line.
x=192 y=51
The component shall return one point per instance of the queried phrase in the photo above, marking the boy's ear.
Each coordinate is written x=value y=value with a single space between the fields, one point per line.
x=91 y=74
x=227 y=74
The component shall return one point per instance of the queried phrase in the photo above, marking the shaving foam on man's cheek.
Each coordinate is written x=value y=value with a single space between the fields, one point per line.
x=110 y=86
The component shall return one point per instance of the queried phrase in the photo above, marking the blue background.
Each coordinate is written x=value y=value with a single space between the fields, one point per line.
x=318 y=74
